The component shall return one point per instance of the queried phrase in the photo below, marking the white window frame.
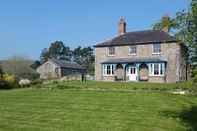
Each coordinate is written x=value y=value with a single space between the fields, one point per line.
x=153 y=49
x=108 y=50
x=105 y=70
x=161 y=69
x=130 y=47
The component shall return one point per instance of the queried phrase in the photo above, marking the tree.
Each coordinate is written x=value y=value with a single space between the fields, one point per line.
x=193 y=29
x=19 y=67
x=36 y=64
x=57 y=50
x=184 y=25
x=1 y=72
x=165 y=22
x=84 y=57
x=44 y=55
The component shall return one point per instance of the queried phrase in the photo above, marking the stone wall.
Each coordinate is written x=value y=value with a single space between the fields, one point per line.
x=169 y=51
x=49 y=71
x=156 y=79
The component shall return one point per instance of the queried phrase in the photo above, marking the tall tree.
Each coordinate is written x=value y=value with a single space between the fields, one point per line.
x=84 y=57
x=59 y=51
x=44 y=55
x=165 y=22
x=36 y=64
x=193 y=29
x=184 y=26
x=56 y=50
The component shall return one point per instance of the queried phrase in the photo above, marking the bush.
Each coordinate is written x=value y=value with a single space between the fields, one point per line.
x=9 y=78
x=37 y=82
x=7 y=85
x=194 y=80
x=24 y=82
x=8 y=82
x=1 y=72
x=4 y=85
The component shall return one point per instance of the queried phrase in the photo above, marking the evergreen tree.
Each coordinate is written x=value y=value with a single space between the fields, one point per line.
x=84 y=57
x=44 y=55
x=57 y=50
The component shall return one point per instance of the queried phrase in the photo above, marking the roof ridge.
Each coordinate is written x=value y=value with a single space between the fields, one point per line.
x=139 y=37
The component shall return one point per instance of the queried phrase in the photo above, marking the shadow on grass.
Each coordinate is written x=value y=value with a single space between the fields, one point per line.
x=187 y=116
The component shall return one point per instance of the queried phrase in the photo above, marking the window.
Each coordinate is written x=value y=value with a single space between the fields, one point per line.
x=108 y=69
x=132 y=71
x=156 y=69
x=111 y=51
x=132 y=50
x=156 y=48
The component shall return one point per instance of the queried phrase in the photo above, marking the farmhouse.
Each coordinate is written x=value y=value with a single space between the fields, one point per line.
x=149 y=55
x=53 y=69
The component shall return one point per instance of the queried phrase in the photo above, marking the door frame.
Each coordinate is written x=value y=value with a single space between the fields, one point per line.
x=128 y=73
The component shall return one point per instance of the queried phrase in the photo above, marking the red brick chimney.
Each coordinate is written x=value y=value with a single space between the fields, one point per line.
x=165 y=23
x=121 y=26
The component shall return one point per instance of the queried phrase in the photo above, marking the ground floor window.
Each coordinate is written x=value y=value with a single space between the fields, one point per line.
x=156 y=69
x=108 y=69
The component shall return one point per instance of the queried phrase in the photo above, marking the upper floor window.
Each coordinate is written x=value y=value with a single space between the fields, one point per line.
x=156 y=48
x=133 y=50
x=111 y=51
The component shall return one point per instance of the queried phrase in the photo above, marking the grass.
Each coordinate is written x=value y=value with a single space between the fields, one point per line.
x=43 y=109
x=120 y=85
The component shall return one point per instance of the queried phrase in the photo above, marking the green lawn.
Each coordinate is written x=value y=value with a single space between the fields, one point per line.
x=76 y=109
x=120 y=85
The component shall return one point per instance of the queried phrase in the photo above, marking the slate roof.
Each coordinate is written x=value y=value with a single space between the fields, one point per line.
x=65 y=64
x=134 y=60
x=139 y=37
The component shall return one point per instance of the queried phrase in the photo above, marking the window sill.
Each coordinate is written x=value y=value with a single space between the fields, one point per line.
x=156 y=53
x=132 y=54
x=111 y=55
x=156 y=75
x=108 y=75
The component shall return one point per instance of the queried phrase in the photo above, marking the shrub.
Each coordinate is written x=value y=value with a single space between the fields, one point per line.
x=24 y=82
x=4 y=85
x=37 y=82
x=194 y=80
x=8 y=82
x=1 y=72
x=9 y=78
x=8 y=85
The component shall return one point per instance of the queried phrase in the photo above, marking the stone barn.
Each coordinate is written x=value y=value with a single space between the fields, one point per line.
x=57 y=69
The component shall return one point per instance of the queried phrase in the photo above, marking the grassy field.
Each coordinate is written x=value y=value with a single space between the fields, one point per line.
x=46 y=109
x=119 y=85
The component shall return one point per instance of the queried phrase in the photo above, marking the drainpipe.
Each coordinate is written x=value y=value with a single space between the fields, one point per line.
x=137 y=66
x=124 y=68
x=102 y=66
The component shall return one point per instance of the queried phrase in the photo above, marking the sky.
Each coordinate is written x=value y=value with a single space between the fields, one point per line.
x=28 y=26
